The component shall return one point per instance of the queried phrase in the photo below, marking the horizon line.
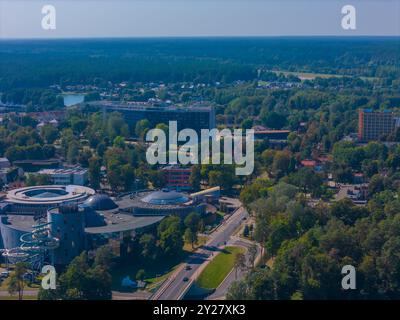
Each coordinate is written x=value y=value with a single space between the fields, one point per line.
x=198 y=36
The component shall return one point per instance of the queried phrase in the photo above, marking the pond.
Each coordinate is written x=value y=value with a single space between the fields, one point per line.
x=72 y=99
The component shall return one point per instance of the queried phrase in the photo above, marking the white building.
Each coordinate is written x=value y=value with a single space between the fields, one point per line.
x=4 y=163
x=5 y=166
x=66 y=176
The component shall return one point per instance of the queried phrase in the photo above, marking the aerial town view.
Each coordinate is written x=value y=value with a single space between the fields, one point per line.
x=194 y=165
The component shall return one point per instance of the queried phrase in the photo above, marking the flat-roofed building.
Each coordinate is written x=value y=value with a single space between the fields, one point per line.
x=66 y=176
x=194 y=117
x=177 y=177
x=36 y=200
x=271 y=134
x=372 y=125
x=4 y=163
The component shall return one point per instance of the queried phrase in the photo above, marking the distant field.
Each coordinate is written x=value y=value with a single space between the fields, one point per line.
x=312 y=76
x=307 y=75
x=219 y=268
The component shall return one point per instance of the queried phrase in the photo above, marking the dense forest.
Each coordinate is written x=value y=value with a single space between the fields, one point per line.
x=43 y=63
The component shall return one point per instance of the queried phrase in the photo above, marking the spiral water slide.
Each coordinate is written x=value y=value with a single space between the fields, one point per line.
x=34 y=247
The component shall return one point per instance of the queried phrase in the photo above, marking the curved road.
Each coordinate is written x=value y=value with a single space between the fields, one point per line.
x=175 y=287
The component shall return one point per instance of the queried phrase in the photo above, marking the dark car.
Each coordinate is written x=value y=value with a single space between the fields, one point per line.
x=188 y=267
x=185 y=279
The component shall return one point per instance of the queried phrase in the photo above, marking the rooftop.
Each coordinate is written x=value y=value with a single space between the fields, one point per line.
x=267 y=131
x=150 y=107
x=119 y=222
x=19 y=222
x=48 y=194
x=174 y=167
x=63 y=171
x=100 y=202
x=114 y=222
x=154 y=200
x=376 y=111
x=165 y=197
x=308 y=163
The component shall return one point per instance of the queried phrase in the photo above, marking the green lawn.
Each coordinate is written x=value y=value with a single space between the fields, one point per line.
x=219 y=268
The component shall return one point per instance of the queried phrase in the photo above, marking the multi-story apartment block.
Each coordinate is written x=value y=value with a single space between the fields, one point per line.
x=372 y=125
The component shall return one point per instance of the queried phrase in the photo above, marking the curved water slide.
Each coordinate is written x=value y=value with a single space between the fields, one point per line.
x=34 y=247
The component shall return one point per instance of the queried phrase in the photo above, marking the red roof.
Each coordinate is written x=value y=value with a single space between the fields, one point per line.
x=308 y=163
x=271 y=131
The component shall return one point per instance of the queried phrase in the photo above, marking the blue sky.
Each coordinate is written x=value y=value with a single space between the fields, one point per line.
x=157 y=18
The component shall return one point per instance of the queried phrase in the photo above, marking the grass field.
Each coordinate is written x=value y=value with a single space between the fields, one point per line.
x=308 y=75
x=312 y=76
x=219 y=268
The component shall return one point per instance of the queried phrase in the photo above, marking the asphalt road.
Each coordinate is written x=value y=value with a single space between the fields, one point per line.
x=175 y=286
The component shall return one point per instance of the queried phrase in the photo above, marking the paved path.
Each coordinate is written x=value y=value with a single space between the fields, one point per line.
x=4 y=293
x=138 y=295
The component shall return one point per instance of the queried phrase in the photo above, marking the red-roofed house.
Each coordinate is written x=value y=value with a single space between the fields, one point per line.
x=308 y=163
